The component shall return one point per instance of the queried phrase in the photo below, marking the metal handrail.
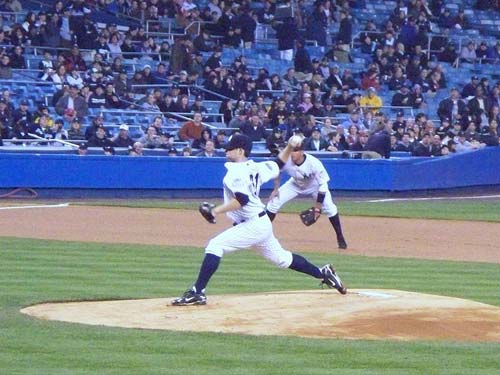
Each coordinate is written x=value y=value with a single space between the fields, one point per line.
x=264 y=28
x=449 y=37
x=207 y=114
x=198 y=23
x=458 y=38
x=391 y=107
x=139 y=53
x=15 y=141
x=130 y=111
x=162 y=35
x=212 y=92
x=53 y=140
x=169 y=21
x=149 y=87
x=43 y=48
x=172 y=23
x=27 y=82
x=25 y=73
x=173 y=114
x=161 y=85
x=276 y=91
x=265 y=31
x=16 y=15
x=308 y=42
x=27 y=70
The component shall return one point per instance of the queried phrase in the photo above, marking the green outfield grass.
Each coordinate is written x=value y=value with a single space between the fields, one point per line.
x=477 y=210
x=32 y=271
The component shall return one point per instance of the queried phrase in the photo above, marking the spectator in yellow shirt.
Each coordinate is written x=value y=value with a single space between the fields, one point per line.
x=371 y=101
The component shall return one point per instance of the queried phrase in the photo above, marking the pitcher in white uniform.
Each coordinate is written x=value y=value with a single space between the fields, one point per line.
x=252 y=227
x=308 y=177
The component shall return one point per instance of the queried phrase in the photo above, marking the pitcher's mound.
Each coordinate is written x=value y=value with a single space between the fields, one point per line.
x=361 y=314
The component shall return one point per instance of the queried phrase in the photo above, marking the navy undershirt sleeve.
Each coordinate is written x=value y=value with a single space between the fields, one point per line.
x=280 y=163
x=241 y=198
x=320 y=198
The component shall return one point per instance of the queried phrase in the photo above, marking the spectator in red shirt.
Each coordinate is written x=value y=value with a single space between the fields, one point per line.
x=192 y=130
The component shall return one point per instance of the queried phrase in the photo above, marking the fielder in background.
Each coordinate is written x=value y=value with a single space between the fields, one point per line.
x=251 y=226
x=308 y=177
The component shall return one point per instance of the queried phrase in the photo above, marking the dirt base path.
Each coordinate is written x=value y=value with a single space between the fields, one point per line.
x=429 y=239
x=361 y=314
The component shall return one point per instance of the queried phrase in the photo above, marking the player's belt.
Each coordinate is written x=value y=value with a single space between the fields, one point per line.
x=242 y=221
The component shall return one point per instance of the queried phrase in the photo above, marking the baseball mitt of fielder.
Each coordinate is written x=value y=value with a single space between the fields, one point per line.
x=206 y=211
x=310 y=216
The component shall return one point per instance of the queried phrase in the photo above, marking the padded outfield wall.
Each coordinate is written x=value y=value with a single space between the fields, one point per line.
x=48 y=171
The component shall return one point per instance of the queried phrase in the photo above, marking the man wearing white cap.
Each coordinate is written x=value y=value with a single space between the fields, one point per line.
x=122 y=139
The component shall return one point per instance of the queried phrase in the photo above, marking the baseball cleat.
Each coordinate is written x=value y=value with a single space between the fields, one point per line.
x=331 y=279
x=190 y=297
x=342 y=244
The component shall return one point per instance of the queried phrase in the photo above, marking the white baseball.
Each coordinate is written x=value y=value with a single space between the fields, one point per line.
x=295 y=141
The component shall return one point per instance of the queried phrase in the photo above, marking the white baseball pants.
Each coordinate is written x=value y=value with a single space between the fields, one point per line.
x=290 y=190
x=256 y=233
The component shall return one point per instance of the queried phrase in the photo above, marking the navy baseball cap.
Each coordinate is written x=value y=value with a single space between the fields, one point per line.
x=240 y=141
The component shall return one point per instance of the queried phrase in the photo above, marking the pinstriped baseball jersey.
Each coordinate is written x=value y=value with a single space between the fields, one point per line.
x=253 y=229
x=247 y=178
x=308 y=174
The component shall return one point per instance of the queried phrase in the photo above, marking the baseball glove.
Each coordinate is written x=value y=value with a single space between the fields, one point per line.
x=206 y=211
x=310 y=216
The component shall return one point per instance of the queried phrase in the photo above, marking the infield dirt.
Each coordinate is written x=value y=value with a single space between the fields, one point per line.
x=390 y=237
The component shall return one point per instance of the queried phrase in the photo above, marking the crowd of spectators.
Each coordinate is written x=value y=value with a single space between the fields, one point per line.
x=335 y=109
